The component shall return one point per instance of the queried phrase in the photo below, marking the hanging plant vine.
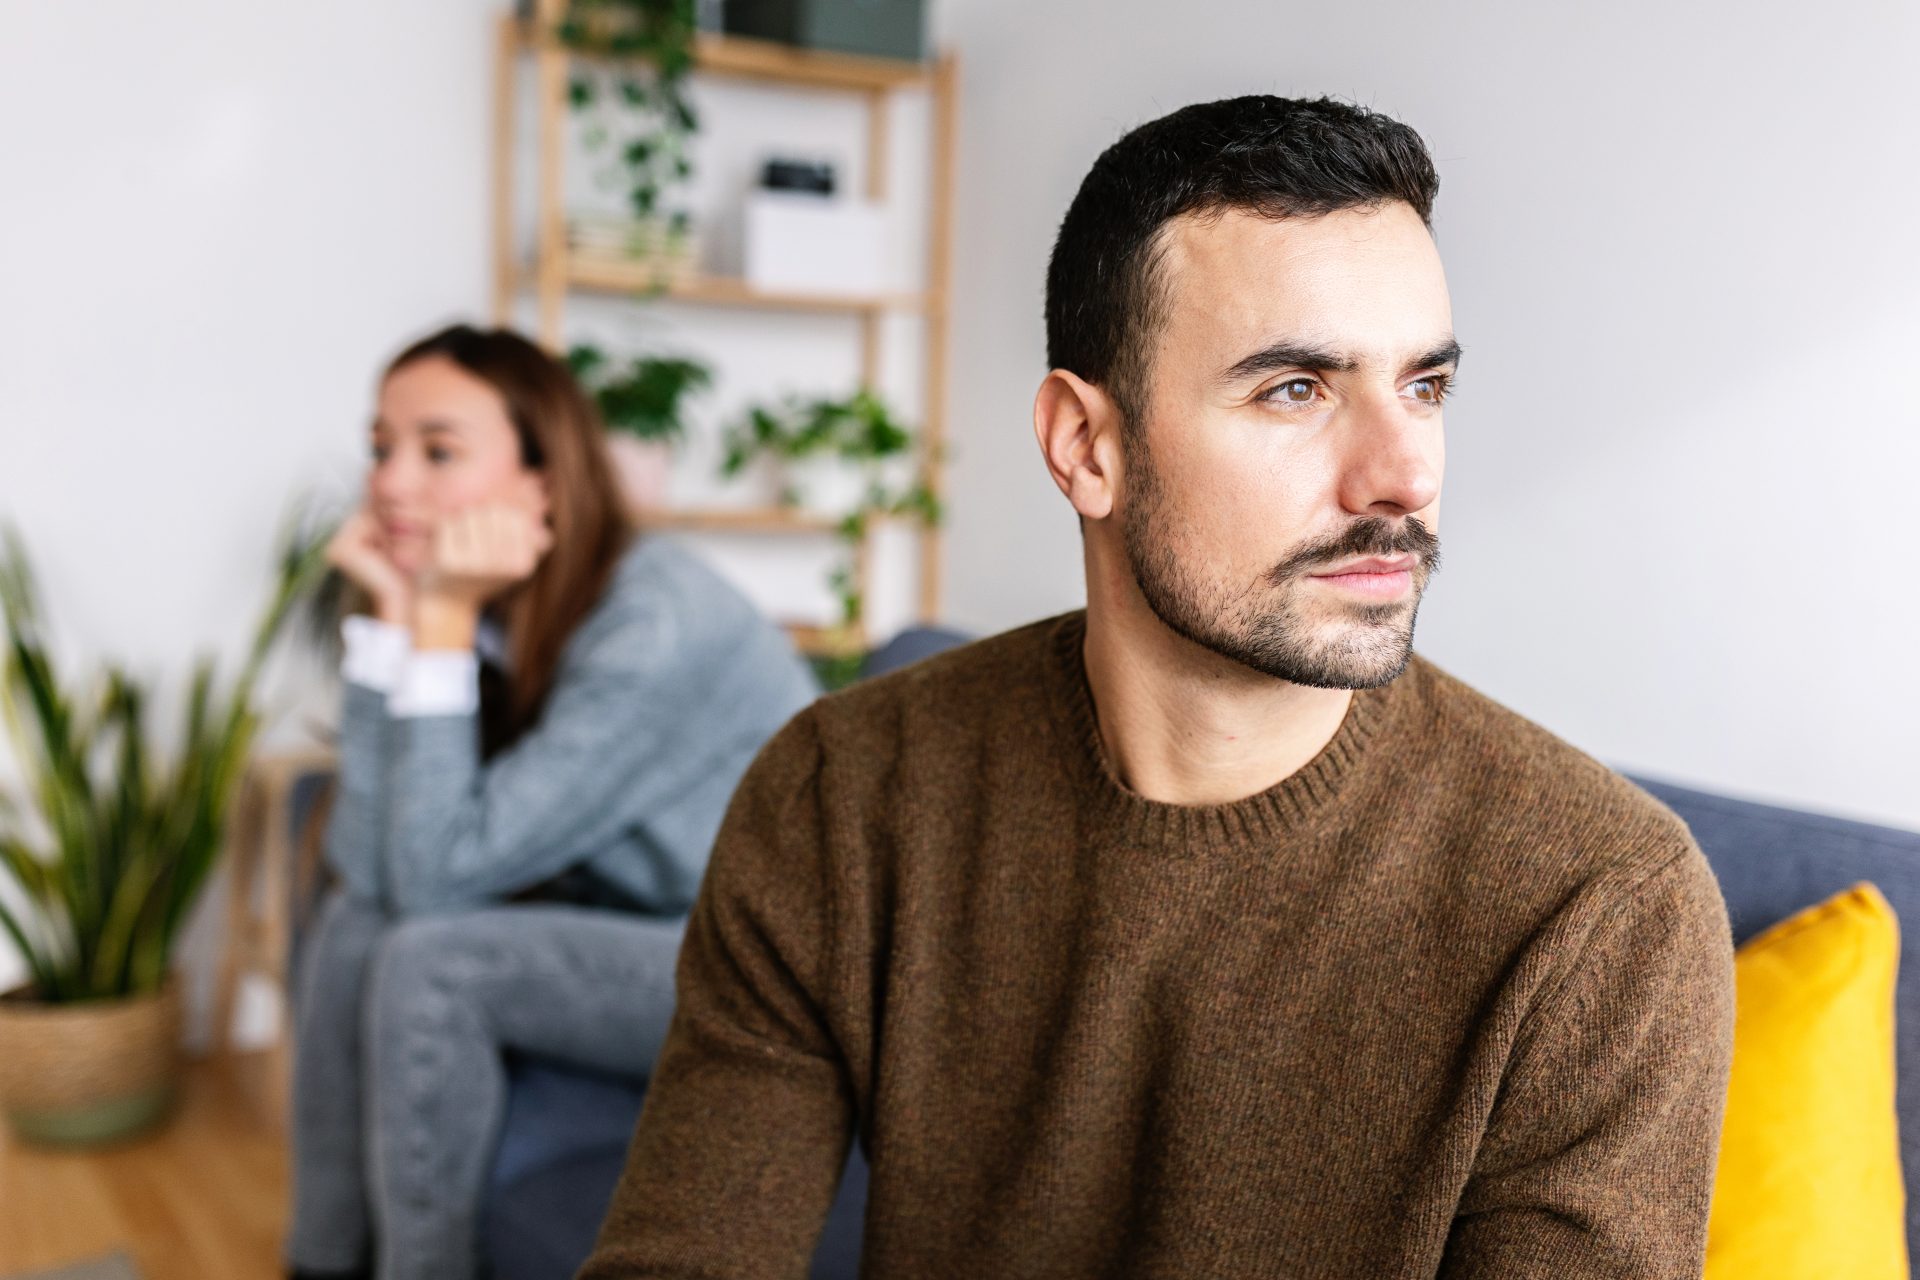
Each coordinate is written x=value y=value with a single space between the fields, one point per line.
x=637 y=116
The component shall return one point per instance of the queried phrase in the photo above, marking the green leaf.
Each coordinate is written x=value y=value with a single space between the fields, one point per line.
x=40 y=968
x=584 y=360
x=131 y=841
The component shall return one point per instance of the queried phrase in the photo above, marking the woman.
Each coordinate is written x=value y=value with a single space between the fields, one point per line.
x=544 y=715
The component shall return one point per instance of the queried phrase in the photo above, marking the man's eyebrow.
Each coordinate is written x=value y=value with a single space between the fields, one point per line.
x=1447 y=353
x=1302 y=355
x=1290 y=355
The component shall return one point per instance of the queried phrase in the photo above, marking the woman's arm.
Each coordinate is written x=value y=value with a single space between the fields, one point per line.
x=376 y=651
x=625 y=721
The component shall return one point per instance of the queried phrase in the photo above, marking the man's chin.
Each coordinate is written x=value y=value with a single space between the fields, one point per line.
x=1339 y=656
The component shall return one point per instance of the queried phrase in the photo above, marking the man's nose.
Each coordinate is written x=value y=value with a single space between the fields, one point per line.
x=1392 y=465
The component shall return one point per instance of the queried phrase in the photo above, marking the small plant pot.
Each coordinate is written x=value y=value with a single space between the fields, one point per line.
x=643 y=468
x=669 y=255
x=91 y=1072
x=826 y=484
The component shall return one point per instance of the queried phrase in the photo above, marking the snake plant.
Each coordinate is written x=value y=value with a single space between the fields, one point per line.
x=95 y=892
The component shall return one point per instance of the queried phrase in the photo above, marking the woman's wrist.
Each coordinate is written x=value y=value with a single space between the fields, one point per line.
x=396 y=609
x=444 y=622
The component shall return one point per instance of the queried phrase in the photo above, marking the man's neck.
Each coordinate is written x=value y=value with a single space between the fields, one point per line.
x=1184 y=725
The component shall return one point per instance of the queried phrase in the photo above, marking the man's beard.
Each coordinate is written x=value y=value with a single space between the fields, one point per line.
x=1271 y=626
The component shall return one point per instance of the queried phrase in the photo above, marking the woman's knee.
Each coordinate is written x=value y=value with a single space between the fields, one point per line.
x=422 y=964
x=345 y=931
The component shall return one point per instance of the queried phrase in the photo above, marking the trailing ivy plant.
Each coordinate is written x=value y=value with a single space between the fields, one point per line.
x=644 y=398
x=130 y=834
x=861 y=431
x=639 y=116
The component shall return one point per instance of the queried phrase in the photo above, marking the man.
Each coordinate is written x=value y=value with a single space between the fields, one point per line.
x=1207 y=931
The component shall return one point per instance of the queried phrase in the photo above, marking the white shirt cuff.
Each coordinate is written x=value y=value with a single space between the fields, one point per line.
x=375 y=651
x=437 y=682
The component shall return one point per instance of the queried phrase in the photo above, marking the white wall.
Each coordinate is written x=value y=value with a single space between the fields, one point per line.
x=1679 y=248
x=1686 y=450
x=217 y=223
x=215 y=219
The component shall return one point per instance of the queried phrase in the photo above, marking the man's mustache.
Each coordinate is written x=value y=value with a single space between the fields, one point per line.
x=1371 y=536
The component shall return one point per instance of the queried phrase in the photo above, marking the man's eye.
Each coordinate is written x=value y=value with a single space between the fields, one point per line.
x=379 y=453
x=1432 y=390
x=438 y=455
x=1298 y=391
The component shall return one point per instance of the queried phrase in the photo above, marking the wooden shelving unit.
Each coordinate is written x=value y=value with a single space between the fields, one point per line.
x=554 y=273
x=618 y=276
x=739 y=519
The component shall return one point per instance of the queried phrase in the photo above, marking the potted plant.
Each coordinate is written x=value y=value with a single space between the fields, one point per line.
x=641 y=406
x=94 y=891
x=849 y=459
x=834 y=456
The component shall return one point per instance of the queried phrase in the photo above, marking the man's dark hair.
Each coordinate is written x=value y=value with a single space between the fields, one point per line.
x=1275 y=157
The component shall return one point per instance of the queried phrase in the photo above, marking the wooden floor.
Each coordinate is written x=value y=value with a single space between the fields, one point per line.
x=204 y=1198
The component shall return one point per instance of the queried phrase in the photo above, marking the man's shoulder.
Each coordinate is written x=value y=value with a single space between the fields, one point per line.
x=1500 y=770
x=855 y=744
x=942 y=702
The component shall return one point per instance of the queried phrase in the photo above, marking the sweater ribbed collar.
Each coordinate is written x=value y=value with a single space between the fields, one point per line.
x=1290 y=806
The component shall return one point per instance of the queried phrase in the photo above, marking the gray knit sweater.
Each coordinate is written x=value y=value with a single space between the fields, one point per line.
x=663 y=694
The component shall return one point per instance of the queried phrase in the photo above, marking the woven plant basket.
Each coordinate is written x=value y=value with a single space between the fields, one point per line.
x=91 y=1072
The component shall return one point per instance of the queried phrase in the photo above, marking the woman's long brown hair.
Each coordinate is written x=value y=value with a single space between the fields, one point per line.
x=562 y=436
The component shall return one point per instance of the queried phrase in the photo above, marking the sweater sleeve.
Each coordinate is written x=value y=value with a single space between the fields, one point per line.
x=740 y=1144
x=356 y=823
x=374 y=652
x=461 y=832
x=1599 y=1154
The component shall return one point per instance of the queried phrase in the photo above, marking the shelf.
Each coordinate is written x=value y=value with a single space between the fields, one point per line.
x=558 y=276
x=615 y=275
x=738 y=519
x=747 y=59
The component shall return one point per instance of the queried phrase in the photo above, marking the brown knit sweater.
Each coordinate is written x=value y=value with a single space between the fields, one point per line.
x=1452 y=999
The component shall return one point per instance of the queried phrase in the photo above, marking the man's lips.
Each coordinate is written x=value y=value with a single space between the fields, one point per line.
x=1376 y=577
x=1372 y=564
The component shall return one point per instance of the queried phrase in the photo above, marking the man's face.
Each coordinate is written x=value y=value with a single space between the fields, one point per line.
x=1291 y=428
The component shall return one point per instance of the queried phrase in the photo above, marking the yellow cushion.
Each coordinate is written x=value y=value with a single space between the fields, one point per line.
x=1809 y=1181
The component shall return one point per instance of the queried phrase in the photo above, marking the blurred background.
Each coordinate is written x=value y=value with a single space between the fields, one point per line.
x=1679 y=240
x=1678 y=237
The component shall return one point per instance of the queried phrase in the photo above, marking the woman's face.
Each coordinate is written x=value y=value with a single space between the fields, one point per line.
x=442 y=442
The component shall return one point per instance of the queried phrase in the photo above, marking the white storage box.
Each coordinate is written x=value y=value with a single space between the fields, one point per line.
x=799 y=242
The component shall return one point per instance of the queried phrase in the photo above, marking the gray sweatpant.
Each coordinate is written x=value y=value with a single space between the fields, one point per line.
x=398 y=1085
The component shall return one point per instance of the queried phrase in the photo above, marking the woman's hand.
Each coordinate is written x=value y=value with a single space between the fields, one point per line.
x=477 y=553
x=358 y=550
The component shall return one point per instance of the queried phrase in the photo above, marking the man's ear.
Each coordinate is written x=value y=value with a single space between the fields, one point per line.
x=1078 y=430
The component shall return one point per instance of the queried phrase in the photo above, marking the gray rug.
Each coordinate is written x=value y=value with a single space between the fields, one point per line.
x=114 y=1266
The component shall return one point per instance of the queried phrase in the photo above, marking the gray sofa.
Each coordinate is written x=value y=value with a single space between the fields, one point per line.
x=566 y=1132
